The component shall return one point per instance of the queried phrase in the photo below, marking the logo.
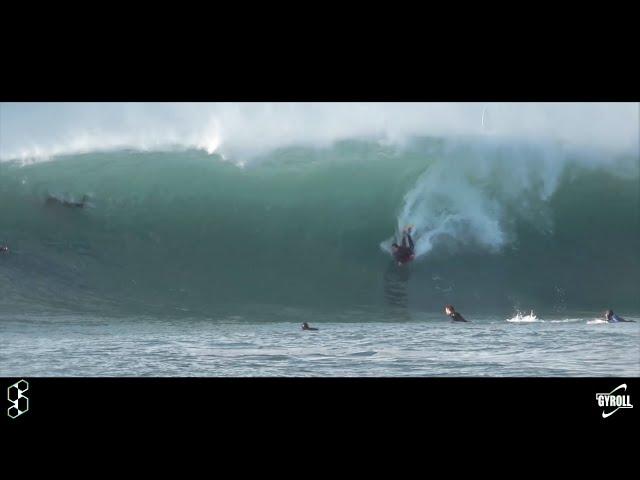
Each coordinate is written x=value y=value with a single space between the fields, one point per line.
x=19 y=402
x=613 y=402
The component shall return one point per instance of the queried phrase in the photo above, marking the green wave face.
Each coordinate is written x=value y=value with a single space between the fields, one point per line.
x=496 y=226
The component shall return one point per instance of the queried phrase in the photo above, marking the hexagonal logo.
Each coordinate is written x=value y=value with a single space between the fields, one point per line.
x=19 y=401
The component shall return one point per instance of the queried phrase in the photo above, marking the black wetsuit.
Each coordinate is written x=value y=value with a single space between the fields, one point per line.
x=456 y=317
x=405 y=252
x=65 y=203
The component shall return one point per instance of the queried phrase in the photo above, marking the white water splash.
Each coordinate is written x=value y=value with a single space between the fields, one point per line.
x=241 y=130
x=520 y=318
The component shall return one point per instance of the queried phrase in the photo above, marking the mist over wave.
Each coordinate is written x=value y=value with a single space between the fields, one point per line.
x=480 y=187
x=242 y=131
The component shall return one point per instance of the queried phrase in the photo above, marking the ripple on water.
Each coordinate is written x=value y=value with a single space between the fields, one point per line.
x=489 y=348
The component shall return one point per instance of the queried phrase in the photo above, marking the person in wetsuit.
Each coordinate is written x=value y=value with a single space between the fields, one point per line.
x=451 y=312
x=405 y=252
x=305 y=326
x=613 y=318
x=51 y=200
x=4 y=249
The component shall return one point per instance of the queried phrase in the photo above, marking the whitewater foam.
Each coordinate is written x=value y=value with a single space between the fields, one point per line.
x=243 y=131
x=597 y=321
x=519 y=318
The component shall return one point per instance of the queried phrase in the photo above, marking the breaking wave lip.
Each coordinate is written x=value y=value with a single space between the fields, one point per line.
x=37 y=155
x=251 y=129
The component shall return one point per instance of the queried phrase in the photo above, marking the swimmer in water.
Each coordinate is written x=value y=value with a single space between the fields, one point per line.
x=51 y=200
x=404 y=253
x=4 y=249
x=613 y=318
x=451 y=312
x=305 y=326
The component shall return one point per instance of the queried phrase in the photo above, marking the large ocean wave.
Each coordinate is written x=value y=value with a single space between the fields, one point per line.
x=500 y=223
x=192 y=207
